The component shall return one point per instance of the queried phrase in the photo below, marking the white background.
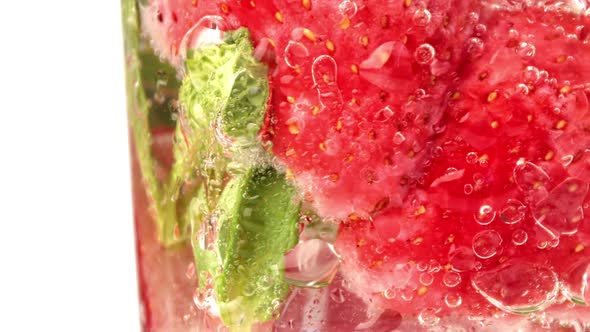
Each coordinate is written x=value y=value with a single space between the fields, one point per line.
x=66 y=239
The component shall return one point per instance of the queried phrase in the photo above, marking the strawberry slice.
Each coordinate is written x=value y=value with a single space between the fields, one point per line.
x=506 y=195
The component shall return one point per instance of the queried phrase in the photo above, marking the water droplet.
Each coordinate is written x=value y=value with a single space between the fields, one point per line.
x=384 y=114
x=512 y=212
x=526 y=51
x=398 y=138
x=519 y=237
x=485 y=215
x=467 y=189
x=295 y=54
x=426 y=278
x=561 y=212
x=474 y=48
x=312 y=263
x=429 y=317
x=462 y=259
x=422 y=17
x=324 y=74
x=453 y=300
x=472 y=158
x=348 y=8
x=486 y=243
x=424 y=54
x=518 y=287
x=337 y=295
x=451 y=279
x=389 y=293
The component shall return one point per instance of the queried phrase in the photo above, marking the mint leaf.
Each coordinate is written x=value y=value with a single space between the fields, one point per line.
x=223 y=98
x=243 y=116
x=258 y=217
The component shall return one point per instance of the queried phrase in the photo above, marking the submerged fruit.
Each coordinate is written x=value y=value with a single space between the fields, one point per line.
x=450 y=140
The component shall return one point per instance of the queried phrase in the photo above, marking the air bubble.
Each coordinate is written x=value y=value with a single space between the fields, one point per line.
x=467 y=189
x=478 y=179
x=295 y=54
x=480 y=30
x=324 y=73
x=512 y=212
x=485 y=215
x=207 y=31
x=576 y=282
x=426 y=278
x=518 y=287
x=462 y=259
x=348 y=8
x=422 y=17
x=421 y=266
x=453 y=300
x=471 y=158
x=474 y=48
x=429 y=317
x=526 y=51
x=384 y=114
x=486 y=244
x=434 y=266
x=451 y=279
x=553 y=243
x=264 y=283
x=312 y=263
x=389 y=293
x=519 y=237
x=398 y=138
x=531 y=75
x=522 y=89
x=424 y=54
